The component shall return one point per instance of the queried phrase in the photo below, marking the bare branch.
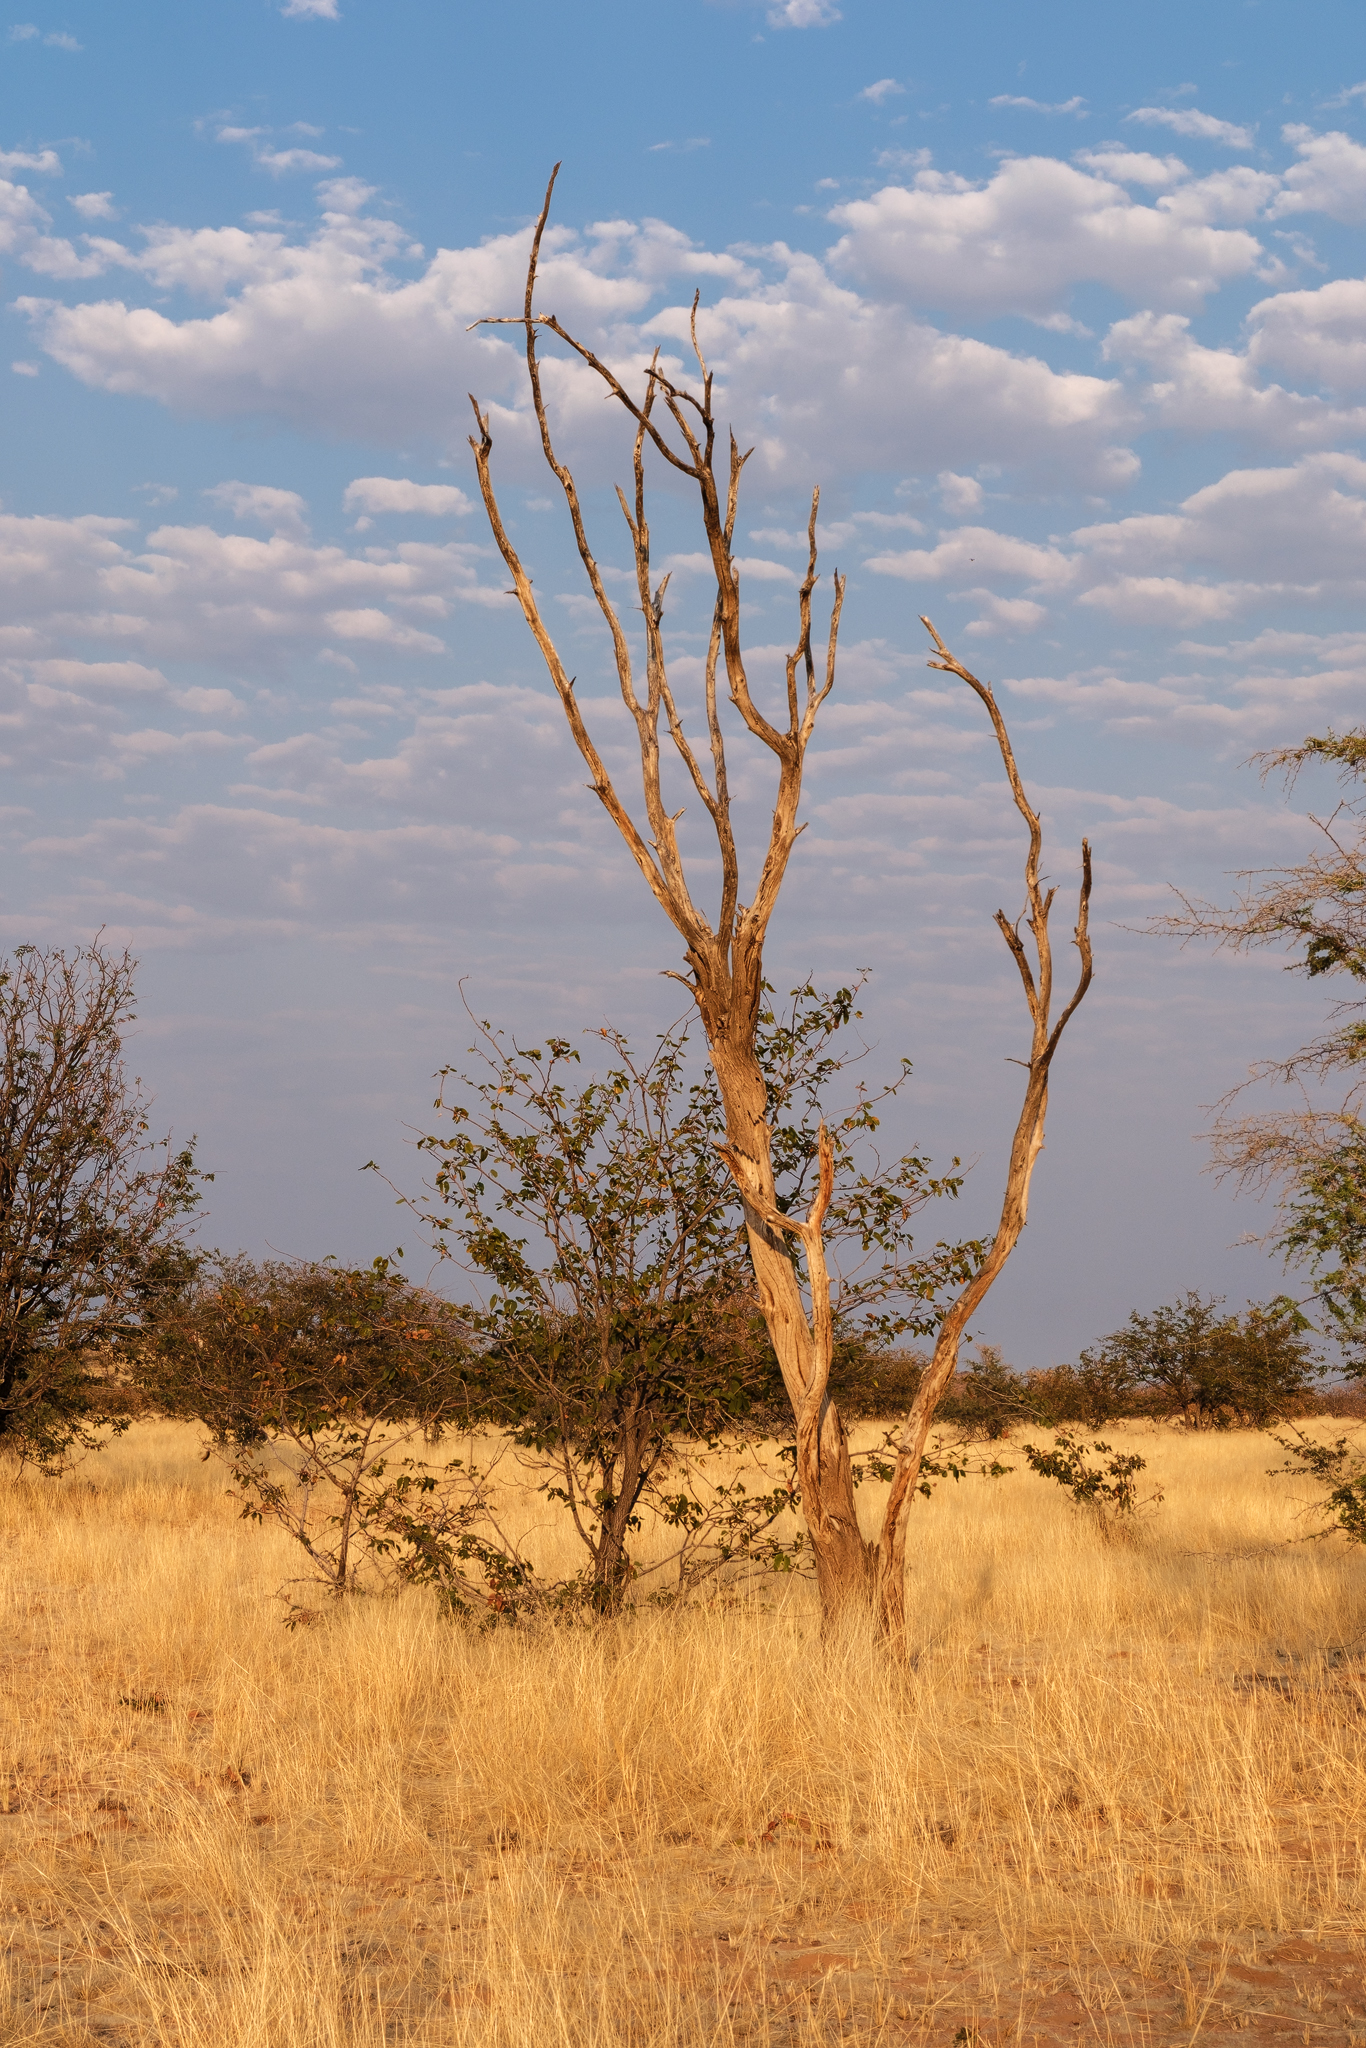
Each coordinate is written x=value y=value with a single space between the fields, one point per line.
x=1025 y=1147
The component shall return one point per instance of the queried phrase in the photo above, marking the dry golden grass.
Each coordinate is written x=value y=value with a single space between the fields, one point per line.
x=1117 y=1797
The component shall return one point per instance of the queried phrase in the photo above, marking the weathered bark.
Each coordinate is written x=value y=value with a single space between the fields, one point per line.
x=844 y=1561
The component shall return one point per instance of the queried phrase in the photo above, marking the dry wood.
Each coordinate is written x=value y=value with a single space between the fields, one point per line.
x=725 y=959
x=1024 y=1151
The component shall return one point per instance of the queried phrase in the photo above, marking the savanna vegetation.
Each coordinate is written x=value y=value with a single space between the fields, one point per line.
x=667 y=1627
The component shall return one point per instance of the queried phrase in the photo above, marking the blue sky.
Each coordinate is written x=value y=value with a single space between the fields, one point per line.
x=1062 y=307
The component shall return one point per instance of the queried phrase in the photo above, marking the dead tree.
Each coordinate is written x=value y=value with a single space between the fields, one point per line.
x=725 y=958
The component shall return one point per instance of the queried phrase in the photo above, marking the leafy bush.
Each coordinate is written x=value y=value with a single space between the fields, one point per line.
x=91 y=1215
x=1110 y=1490
x=325 y=1389
x=1343 y=1467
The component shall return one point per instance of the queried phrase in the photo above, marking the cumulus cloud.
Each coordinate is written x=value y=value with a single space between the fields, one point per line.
x=1133 y=166
x=45 y=162
x=23 y=225
x=398 y=494
x=327 y=327
x=803 y=14
x=94 y=205
x=1190 y=121
x=1317 y=335
x=1203 y=390
x=1264 y=534
x=311 y=10
x=264 y=504
x=1076 y=105
x=959 y=494
x=1329 y=178
x=1254 y=538
x=882 y=89
x=278 y=161
x=323 y=331
x=970 y=553
x=254 y=602
x=1023 y=239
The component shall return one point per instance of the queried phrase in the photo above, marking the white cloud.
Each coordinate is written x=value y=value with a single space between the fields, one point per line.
x=344 y=195
x=323 y=331
x=1133 y=166
x=1076 y=105
x=1267 y=534
x=398 y=494
x=367 y=622
x=94 y=205
x=1004 y=615
x=23 y=31
x=1319 y=335
x=760 y=570
x=278 y=161
x=1329 y=178
x=311 y=10
x=1207 y=390
x=60 y=40
x=45 y=161
x=189 y=592
x=971 y=553
x=959 y=494
x=1190 y=121
x=1255 y=538
x=1021 y=241
x=22 y=369
x=803 y=14
x=282 y=511
x=22 y=225
x=882 y=89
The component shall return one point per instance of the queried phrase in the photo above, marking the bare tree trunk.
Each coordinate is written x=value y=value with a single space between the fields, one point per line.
x=844 y=1561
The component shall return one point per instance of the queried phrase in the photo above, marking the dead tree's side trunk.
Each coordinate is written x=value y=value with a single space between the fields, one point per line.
x=1026 y=1145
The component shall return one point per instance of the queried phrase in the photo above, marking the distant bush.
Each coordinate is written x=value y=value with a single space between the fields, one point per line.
x=870 y=1385
x=1183 y=1362
x=1187 y=1362
x=989 y=1398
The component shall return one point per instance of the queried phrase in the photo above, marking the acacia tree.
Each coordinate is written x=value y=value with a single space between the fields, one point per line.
x=91 y=1214
x=1312 y=1153
x=724 y=955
